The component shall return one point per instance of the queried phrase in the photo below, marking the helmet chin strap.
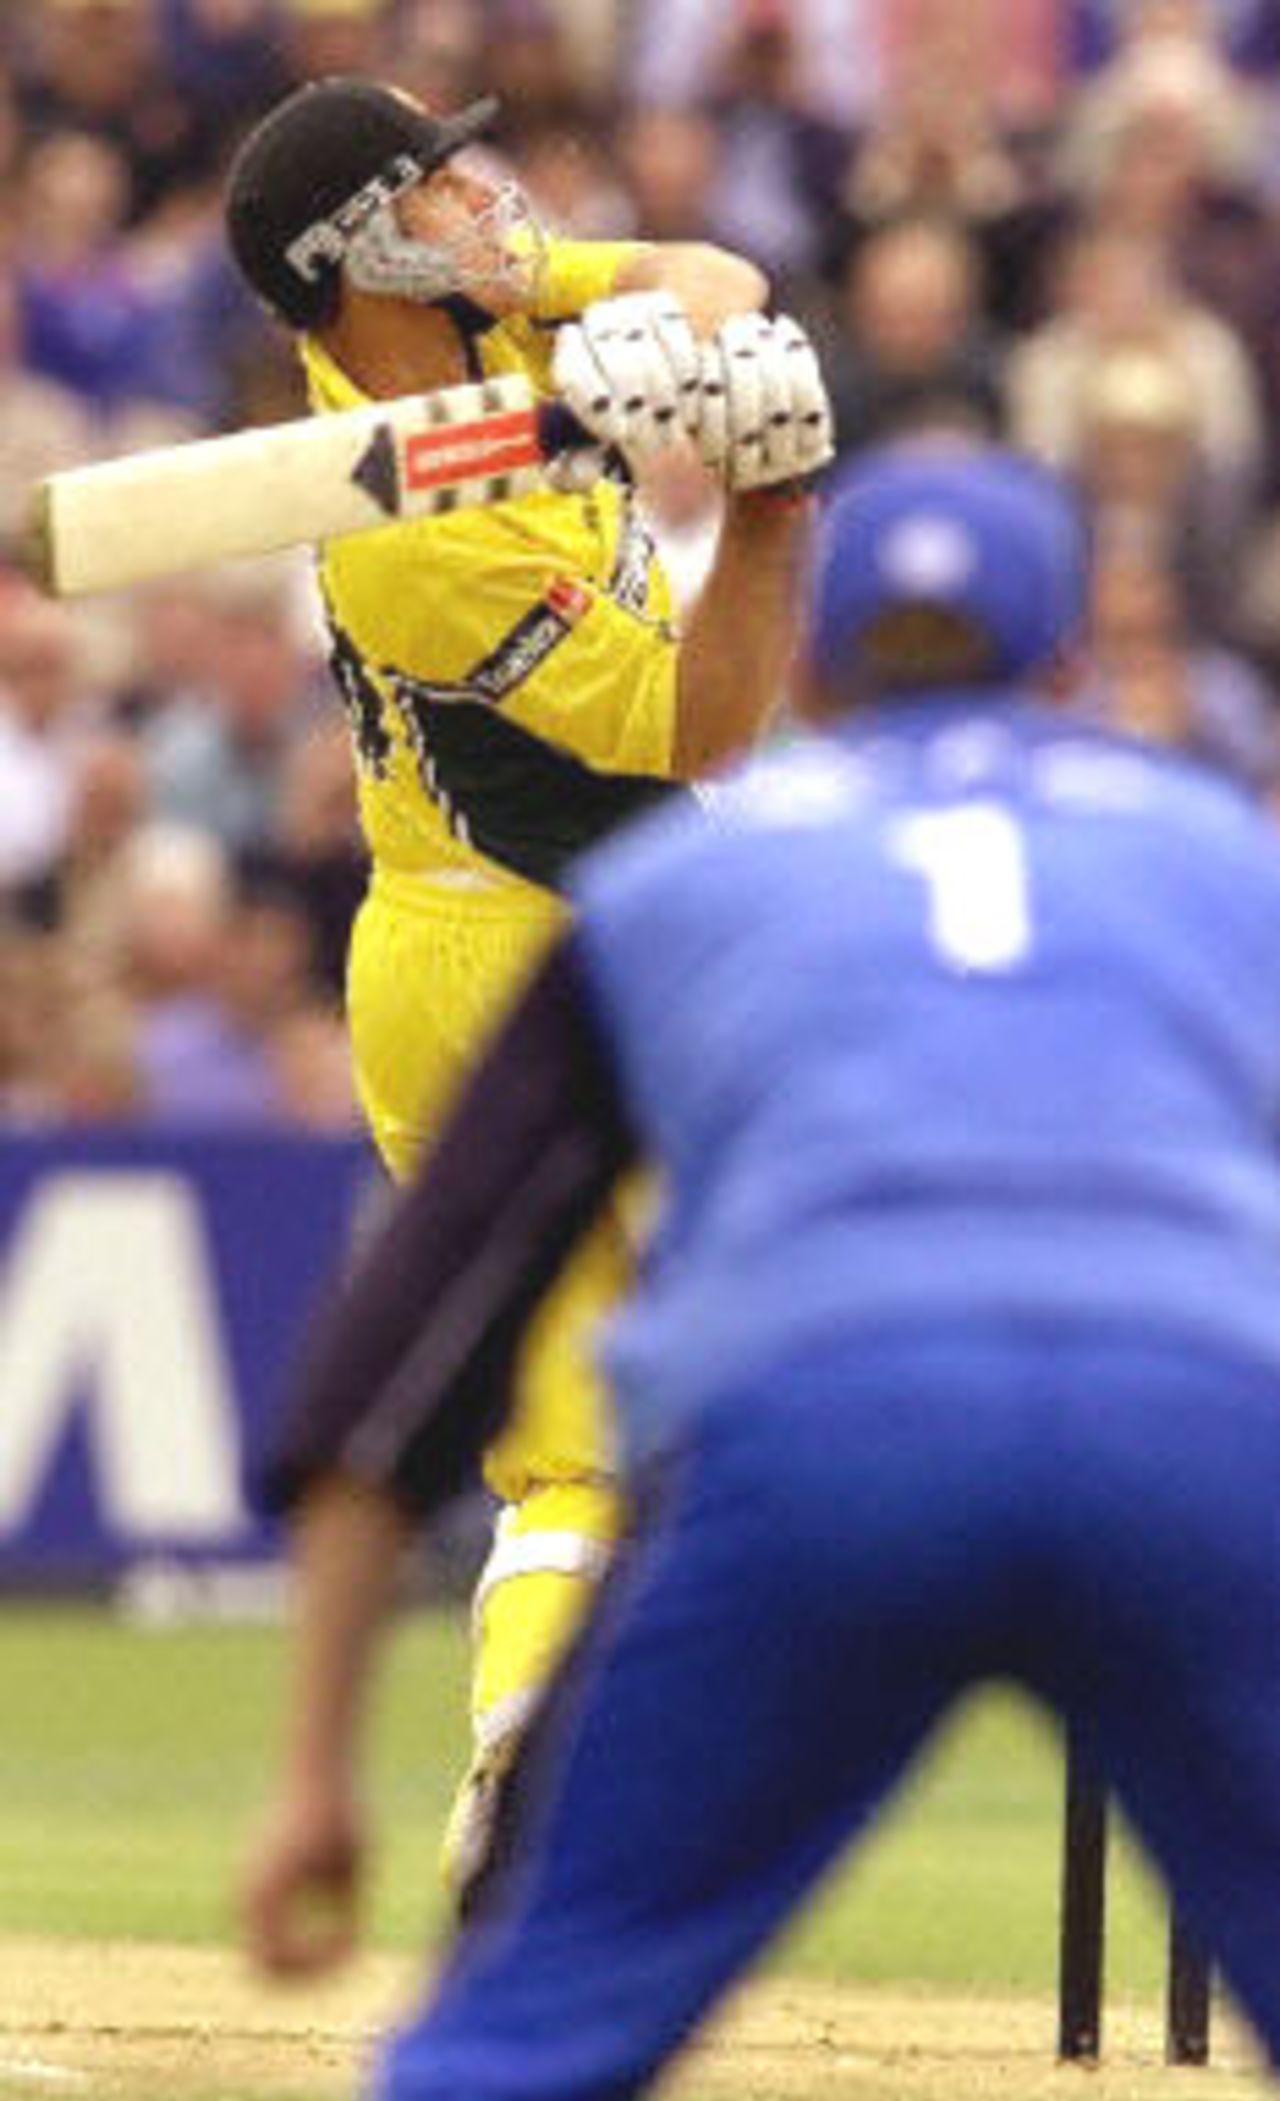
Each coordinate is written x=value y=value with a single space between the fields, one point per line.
x=472 y=323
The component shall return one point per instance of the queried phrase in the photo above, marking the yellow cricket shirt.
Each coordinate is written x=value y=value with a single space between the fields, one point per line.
x=552 y=606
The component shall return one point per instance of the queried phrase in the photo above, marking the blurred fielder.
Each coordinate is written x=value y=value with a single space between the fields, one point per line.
x=365 y=224
x=957 y=1037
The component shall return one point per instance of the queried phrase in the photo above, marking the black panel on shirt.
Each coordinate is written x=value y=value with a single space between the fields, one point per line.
x=518 y=798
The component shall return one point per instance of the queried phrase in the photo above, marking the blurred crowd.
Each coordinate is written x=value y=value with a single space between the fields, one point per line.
x=1055 y=222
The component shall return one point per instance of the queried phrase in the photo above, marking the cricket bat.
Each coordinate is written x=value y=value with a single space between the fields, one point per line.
x=155 y=513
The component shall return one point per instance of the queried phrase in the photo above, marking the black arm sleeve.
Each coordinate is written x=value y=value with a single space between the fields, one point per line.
x=412 y=1375
x=520 y=799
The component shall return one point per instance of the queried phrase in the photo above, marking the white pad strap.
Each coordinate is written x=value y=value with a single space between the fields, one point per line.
x=549 y=1553
x=507 y=1717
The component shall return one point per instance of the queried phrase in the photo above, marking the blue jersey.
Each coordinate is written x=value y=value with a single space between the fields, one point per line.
x=952 y=1011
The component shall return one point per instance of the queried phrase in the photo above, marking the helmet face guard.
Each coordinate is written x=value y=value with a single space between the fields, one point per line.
x=319 y=167
x=497 y=249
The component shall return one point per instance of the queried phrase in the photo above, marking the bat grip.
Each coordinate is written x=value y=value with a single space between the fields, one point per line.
x=560 y=431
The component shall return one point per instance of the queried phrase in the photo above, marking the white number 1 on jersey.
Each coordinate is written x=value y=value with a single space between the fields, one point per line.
x=975 y=868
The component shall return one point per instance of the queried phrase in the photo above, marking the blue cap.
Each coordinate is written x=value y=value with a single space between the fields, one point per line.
x=986 y=535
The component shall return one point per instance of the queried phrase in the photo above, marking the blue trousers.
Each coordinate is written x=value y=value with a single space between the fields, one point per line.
x=836 y=1556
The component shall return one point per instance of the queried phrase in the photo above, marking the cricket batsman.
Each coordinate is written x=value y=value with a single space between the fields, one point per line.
x=370 y=229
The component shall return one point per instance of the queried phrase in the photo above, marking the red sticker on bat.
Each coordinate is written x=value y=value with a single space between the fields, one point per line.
x=457 y=452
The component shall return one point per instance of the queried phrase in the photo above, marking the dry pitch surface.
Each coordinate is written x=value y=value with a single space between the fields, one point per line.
x=133 y=2022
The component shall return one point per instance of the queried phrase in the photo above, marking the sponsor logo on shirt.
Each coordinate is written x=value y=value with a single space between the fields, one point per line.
x=569 y=599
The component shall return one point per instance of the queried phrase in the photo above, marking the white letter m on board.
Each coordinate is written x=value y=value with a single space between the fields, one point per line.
x=107 y=1294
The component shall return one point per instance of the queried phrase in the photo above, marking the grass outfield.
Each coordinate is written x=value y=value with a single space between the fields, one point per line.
x=130 y=1766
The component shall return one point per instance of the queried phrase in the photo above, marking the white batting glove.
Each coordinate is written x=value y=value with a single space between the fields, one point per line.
x=764 y=415
x=631 y=371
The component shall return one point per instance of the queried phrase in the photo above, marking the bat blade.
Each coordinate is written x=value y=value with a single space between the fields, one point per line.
x=179 y=507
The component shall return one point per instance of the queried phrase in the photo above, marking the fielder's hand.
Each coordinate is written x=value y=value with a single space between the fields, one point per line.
x=631 y=371
x=300 y=1895
x=763 y=412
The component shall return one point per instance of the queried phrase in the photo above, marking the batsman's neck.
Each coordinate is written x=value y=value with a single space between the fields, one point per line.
x=389 y=347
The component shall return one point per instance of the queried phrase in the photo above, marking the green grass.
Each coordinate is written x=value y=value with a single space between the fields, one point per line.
x=131 y=1764
x=960 y=1884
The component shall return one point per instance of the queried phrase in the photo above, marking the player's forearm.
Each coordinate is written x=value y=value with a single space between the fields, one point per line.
x=413 y=1372
x=710 y=283
x=742 y=635
x=347 y=1542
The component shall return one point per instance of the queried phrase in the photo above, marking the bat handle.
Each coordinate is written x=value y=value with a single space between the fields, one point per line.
x=560 y=431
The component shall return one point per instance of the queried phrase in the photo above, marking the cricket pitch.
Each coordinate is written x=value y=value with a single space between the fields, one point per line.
x=135 y=2021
